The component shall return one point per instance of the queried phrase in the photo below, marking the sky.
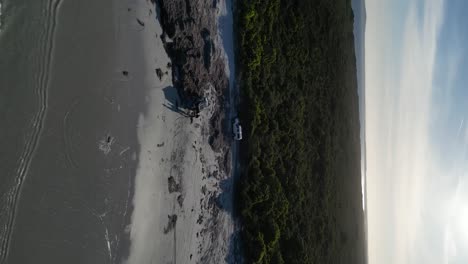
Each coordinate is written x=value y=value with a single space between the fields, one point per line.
x=416 y=111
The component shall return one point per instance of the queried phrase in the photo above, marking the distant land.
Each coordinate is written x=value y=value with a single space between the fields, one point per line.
x=359 y=9
x=360 y=20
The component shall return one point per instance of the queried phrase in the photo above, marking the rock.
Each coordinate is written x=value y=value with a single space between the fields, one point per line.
x=159 y=73
x=140 y=22
x=171 y=223
x=180 y=200
x=189 y=37
x=189 y=24
x=173 y=185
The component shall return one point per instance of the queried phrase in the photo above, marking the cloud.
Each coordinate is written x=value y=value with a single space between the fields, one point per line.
x=450 y=247
x=399 y=95
x=411 y=146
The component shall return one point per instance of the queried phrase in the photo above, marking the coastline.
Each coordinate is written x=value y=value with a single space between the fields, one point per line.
x=121 y=173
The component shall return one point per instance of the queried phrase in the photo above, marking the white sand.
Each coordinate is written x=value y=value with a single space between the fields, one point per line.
x=172 y=146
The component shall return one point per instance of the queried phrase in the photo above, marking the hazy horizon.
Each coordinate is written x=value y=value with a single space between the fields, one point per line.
x=359 y=10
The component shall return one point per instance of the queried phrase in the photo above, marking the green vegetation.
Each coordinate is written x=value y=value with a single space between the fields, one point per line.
x=300 y=192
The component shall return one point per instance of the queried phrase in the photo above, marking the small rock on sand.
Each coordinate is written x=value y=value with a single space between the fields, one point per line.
x=171 y=223
x=159 y=73
x=140 y=22
x=173 y=185
x=180 y=200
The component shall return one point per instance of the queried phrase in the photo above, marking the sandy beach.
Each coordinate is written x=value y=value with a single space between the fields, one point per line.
x=103 y=163
x=181 y=183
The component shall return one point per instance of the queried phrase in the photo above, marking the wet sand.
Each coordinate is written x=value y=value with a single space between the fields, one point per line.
x=69 y=177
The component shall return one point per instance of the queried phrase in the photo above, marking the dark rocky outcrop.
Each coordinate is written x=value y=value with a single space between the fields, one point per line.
x=188 y=27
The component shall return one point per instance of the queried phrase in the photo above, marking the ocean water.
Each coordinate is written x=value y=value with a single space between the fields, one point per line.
x=68 y=131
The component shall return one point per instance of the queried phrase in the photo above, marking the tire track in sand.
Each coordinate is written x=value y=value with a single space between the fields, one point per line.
x=32 y=139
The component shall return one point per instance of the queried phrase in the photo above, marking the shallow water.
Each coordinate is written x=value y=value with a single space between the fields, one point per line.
x=68 y=131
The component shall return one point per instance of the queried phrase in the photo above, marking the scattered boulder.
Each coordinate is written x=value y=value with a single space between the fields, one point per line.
x=173 y=185
x=159 y=73
x=171 y=223
x=180 y=200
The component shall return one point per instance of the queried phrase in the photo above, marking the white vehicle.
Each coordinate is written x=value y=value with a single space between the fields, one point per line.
x=237 y=129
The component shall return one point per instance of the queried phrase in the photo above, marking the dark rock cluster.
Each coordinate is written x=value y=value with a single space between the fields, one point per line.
x=189 y=28
x=190 y=25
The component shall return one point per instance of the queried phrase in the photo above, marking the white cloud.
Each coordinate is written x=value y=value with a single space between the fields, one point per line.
x=398 y=117
x=450 y=247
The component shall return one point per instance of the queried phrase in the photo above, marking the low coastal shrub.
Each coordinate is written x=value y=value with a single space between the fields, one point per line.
x=300 y=113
